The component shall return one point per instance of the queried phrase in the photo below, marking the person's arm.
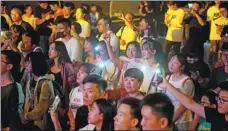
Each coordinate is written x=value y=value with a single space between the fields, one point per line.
x=140 y=10
x=127 y=23
x=42 y=19
x=166 y=19
x=200 y=20
x=70 y=75
x=43 y=104
x=188 y=102
x=179 y=112
x=55 y=121
x=71 y=119
x=112 y=55
x=194 y=123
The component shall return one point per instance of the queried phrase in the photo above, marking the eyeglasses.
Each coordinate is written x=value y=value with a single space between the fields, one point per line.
x=218 y=98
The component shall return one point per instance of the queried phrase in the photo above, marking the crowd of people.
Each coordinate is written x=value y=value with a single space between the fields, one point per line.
x=63 y=68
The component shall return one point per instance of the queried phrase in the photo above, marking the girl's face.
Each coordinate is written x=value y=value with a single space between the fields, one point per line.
x=28 y=66
x=174 y=65
x=81 y=75
x=131 y=84
x=88 y=46
x=79 y=14
x=94 y=115
x=147 y=52
x=52 y=53
x=131 y=51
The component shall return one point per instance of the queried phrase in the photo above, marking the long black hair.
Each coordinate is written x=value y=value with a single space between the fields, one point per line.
x=107 y=109
x=61 y=49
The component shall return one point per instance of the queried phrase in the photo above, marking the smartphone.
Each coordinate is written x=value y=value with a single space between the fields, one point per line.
x=189 y=5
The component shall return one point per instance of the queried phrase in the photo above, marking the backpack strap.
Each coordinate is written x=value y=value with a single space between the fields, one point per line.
x=183 y=83
x=169 y=77
x=121 y=31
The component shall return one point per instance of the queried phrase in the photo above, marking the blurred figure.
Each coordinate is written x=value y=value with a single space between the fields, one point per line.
x=81 y=19
x=28 y=16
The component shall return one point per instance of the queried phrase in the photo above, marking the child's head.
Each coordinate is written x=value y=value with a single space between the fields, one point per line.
x=208 y=99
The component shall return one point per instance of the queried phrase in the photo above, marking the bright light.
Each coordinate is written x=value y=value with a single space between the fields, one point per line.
x=143 y=68
x=158 y=71
x=101 y=65
x=97 y=48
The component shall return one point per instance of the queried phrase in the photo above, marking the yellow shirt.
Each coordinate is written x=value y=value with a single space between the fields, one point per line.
x=215 y=18
x=169 y=13
x=30 y=20
x=175 y=29
x=220 y=21
x=128 y=35
x=212 y=13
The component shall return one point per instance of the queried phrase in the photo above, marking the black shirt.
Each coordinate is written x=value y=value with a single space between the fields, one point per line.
x=27 y=26
x=9 y=106
x=218 y=75
x=43 y=29
x=81 y=117
x=195 y=29
x=218 y=121
x=58 y=78
x=70 y=18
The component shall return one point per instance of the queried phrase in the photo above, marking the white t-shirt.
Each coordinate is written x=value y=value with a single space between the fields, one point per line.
x=76 y=98
x=175 y=30
x=86 y=28
x=114 y=42
x=74 y=49
x=188 y=89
